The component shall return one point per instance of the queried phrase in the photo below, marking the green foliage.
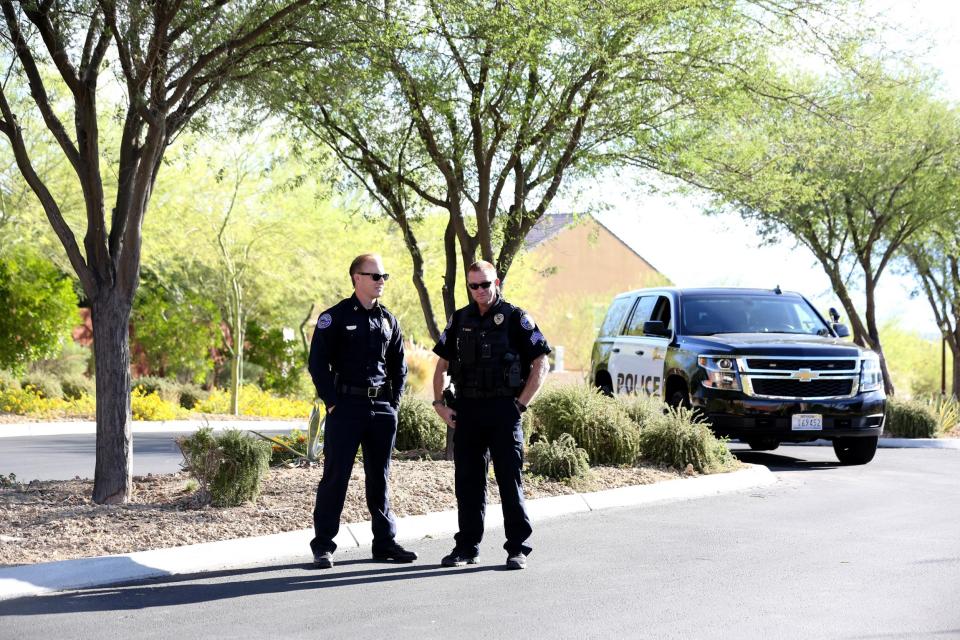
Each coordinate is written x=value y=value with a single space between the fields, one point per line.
x=9 y=481
x=946 y=409
x=642 y=409
x=75 y=386
x=910 y=419
x=228 y=467
x=419 y=426
x=296 y=440
x=176 y=327
x=679 y=438
x=560 y=459
x=72 y=360
x=191 y=395
x=166 y=388
x=44 y=385
x=280 y=360
x=597 y=423
x=914 y=361
x=39 y=308
x=9 y=381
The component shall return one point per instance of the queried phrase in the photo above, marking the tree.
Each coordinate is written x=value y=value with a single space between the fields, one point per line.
x=173 y=60
x=859 y=167
x=484 y=110
x=39 y=308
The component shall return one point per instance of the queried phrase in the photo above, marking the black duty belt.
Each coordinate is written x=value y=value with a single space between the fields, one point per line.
x=365 y=392
x=501 y=392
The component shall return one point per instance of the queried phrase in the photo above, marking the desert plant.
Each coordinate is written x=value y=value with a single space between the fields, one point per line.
x=76 y=386
x=8 y=381
x=166 y=388
x=597 y=423
x=419 y=426
x=228 y=468
x=910 y=419
x=642 y=409
x=43 y=384
x=560 y=459
x=420 y=365
x=191 y=395
x=150 y=406
x=679 y=438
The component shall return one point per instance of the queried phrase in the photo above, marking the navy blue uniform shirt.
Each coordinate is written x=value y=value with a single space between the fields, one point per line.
x=357 y=347
x=523 y=333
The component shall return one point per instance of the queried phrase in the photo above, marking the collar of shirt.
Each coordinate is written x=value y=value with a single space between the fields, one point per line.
x=475 y=308
x=358 y=306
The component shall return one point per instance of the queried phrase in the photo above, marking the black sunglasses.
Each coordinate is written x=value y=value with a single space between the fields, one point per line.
x=479 y=285
x=375 y=276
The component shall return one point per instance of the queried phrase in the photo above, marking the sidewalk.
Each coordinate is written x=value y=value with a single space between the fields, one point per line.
x=20 y=429
x=293 y=546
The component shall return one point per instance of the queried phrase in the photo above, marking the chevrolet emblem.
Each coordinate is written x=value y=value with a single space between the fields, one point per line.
x=804 y=375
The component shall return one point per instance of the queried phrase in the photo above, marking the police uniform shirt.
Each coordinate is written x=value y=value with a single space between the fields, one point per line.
x=358 y=347
x=524 y=335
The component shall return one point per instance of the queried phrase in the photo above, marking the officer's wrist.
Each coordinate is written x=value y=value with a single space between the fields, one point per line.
x=520 y=406
x=439 y=403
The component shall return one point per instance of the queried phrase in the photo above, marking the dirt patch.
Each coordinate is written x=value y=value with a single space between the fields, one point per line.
x=56 y=520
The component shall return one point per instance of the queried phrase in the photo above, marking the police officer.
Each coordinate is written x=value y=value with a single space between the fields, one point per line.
x=358 y=369
x=497 y=359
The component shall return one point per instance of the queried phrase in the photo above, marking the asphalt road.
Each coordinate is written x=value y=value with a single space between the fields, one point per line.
x=827 y=552
x=67 y=456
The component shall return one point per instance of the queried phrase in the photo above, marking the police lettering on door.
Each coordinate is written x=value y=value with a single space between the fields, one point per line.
x=638 y=383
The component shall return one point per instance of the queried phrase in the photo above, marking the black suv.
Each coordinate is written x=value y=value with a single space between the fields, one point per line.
x=763 y=366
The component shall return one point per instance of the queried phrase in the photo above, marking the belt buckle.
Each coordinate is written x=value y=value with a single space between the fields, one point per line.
x=373 y=392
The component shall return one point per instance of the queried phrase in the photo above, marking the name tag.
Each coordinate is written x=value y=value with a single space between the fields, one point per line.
x=351 y=327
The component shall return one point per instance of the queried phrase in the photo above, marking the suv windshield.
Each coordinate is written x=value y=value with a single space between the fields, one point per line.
x=706 y=315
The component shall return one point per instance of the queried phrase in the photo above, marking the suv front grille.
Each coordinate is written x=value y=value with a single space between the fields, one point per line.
x=797 y=389
x=779 y=364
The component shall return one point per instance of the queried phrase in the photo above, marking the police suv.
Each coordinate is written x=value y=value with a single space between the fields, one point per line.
x=762 y=366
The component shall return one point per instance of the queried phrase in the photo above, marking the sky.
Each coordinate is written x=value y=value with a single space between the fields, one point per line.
x=726 y=251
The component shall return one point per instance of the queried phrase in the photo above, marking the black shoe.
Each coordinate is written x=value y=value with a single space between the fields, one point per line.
x=517 y=561
x=395 y=553
x=323 y=560
x=457 y=559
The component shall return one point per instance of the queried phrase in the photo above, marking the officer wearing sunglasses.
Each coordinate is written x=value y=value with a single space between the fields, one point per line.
x=357 y=365
x=497 y=360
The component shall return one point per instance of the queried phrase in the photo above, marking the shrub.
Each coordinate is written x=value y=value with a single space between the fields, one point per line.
x=77 y=386
x=597 y=423
x=679 y=438
x=642 y=409
x=297 y=440
x=419 y=426
x=910 y=419
x=560 y=459
x=191 y=395
x=254 y=402
x=26 y=402
x=44 y=385
x=272 y=361
x=420 y=366
x=166 y=388
x=229 y=467
x=150 y=406
x=946 y=409
x=8 y=381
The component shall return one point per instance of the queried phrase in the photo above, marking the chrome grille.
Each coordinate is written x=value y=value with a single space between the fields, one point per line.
x=801 y=378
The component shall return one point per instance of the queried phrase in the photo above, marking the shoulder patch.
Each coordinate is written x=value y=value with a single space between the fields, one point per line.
x=537 y=337
x=324 y=321
x=527 y=322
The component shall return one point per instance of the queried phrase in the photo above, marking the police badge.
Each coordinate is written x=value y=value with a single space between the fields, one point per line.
x=498 y=319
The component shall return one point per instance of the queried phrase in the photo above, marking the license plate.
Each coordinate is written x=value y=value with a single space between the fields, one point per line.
x=806 y=422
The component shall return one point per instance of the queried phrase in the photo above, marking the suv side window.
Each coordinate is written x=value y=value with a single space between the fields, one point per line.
x=615 y=317
x=661 y=312
x=641 y=313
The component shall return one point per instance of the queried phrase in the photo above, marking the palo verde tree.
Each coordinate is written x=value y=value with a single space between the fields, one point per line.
x=485 y=110
x=853 y=167
x=171 y=61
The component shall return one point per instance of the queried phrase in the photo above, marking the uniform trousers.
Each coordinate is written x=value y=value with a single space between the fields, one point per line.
x=489 y=429
x=356 y=422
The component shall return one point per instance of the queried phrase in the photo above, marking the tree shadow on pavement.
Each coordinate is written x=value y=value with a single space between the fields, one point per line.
x=196 y=588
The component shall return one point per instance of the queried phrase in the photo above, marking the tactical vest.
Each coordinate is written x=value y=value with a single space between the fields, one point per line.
x=485 y=364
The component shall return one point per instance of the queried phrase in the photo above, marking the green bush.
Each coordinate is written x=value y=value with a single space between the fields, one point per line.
x=297 y=440
x=8 y=381
x=597 y=423
x=229 y=467
x=419 y=426
x=166 y=388
x=642 y=409
x=278 y=363
x=560 y=459
x=44 y=385
x=76 y=386
x=679 y=438
x=191 y=395
x=910 y=419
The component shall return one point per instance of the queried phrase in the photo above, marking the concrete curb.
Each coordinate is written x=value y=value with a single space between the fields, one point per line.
x=142 y=426
x=898 y=443
x=293 y=546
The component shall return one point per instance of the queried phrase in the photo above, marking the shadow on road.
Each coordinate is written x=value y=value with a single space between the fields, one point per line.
x=779 y=462
x=195 y=588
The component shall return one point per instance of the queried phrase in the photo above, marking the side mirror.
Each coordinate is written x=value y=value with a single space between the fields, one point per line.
x=655 y=328
x=840 y=329
x=834 y=315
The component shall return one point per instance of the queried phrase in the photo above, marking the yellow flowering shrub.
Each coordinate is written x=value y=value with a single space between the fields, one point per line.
x=254 y=402
x=27 y=402
x=150 y=406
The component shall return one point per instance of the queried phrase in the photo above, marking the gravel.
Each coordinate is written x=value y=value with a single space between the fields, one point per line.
x=57 y=520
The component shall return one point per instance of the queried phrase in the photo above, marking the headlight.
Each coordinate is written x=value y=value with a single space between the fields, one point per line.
x=721 y=372
x=871 y=377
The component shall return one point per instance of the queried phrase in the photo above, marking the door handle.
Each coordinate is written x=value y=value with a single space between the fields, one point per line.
x=639 y=352
x=616 y=349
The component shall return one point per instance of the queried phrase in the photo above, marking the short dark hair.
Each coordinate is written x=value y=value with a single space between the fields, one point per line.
x=484 y=267
x=359 y=260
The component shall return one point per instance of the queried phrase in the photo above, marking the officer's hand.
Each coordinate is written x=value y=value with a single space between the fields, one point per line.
x=331 y=408
x=448 y=414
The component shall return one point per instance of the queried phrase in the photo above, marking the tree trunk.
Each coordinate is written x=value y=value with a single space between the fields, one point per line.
x=112 y=483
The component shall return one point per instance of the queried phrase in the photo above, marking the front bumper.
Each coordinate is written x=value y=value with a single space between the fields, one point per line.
x=734 y=415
